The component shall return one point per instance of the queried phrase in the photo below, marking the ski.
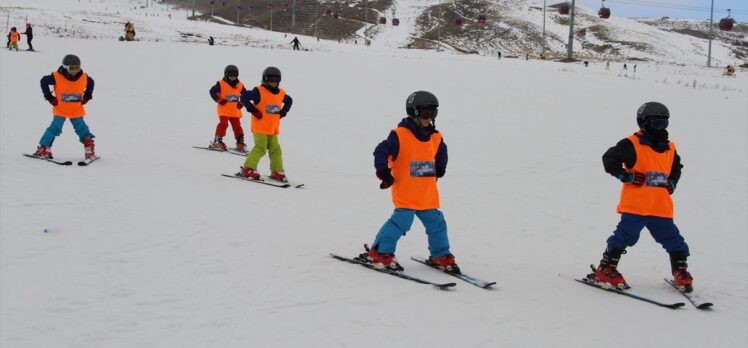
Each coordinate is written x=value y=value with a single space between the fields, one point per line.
x=62 y=163
x=464 y=277
x=695 y=300
x=606 y=287
x=88 y=161
x=269 y=178
x=232 y=150
x=393 y=273
x=261 y=181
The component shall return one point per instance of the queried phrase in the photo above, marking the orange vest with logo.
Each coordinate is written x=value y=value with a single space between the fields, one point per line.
x=69 y=96
x=270 y=105
x=14 y=35
x=652 y=198
x=414 y=171
x=231 y=94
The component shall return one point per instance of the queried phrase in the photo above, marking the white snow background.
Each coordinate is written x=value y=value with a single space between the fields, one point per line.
x=151 y=247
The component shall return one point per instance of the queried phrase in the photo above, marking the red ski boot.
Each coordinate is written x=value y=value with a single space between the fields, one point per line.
x=445 y=263
x=240 y=145
x=217 y=144
x=43 y=152
x=681 y=277
x=249 y=173
x=278 y=176
x=607 y=271
x=88 y=146
x=382 y=261
x=610 y=275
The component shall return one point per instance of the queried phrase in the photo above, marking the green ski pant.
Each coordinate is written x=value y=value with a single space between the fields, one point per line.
x=263 y=144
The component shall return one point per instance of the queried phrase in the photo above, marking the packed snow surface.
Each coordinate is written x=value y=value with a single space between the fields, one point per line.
x=151 y=247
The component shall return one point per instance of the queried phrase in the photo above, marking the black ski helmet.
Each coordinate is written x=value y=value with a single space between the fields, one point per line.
x=230 y=69
x=418 y=99
x=71 y=59
x=650 y=110
x=270 y=71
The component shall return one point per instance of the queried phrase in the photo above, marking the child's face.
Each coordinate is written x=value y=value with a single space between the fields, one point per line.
x=424 y=122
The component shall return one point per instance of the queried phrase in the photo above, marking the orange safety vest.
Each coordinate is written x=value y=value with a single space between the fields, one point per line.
x=14 y=35
x=415 y=171
x=231 y=94
x=270 y=105
x=650 y=199
x=69 y=96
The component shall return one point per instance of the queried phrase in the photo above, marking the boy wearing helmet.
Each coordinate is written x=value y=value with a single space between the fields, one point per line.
x=13 y=37
x=649 y=167
x=73 y=88
x=226 y=94
x=268 y=104
x=410 y=161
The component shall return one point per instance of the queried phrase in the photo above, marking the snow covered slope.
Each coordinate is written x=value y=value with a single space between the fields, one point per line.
x=512 y=26
x=151 y=247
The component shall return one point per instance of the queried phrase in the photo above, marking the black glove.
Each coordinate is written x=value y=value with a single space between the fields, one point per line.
x=84 y=101
x=440 y=172
x=239 y=105
x=52 y=100
x=671 y=186
x=222 y=102
x=386 y=177
x=257 y=114
x=636 y=179
x=282 y=113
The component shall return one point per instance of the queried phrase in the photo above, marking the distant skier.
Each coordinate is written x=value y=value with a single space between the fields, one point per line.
x=268 y=104
x=410 y=161
x=129 y=31
x=649 y=166
x=29 y=36
x=296 y=43
x=634 y=68
x=211 y=41
x=730 y=70
x=73 y=89
x=13 y=37
x=499 y=55
x=625 y=67
x=586 y=63
x=226 y=93
x=607 y=65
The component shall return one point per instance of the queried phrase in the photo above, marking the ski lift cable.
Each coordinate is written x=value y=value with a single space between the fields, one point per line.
x=673 y=6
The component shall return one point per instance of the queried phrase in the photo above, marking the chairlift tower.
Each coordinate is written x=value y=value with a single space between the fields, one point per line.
x=570 y=46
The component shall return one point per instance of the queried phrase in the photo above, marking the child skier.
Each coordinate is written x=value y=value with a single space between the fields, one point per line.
x=226 y=94
x=73 y=89
x=268 y=103
x=13 y=37
x=651 y=173
x=410 y=161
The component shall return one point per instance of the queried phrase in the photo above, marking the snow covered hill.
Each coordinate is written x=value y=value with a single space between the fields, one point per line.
x=151 y=247
x=513 y=27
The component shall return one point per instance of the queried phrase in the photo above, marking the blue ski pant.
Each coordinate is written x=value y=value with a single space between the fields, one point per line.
x=401 y=221
x=663 y=231
x=55 y=129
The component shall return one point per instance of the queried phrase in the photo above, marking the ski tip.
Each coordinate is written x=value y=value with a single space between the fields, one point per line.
x=677 y=305
x=445 y=286
x=707 y=305
x=489 y=285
